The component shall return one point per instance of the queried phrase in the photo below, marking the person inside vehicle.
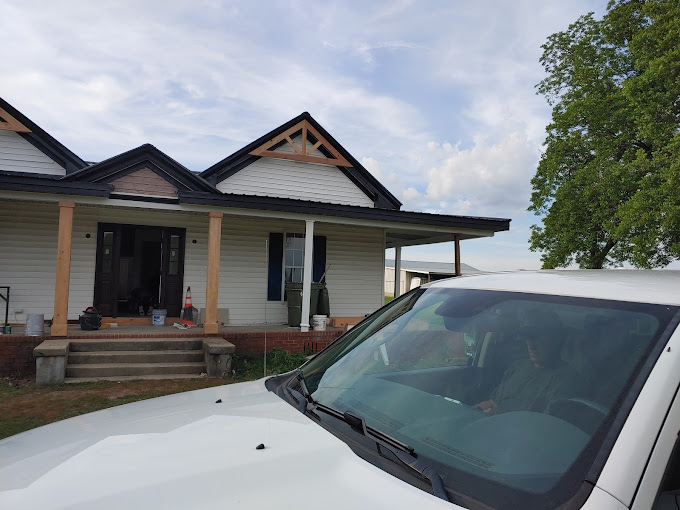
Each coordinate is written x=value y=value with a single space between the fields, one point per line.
x=533 y=384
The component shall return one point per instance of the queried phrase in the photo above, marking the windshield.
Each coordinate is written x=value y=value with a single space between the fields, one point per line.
x=507 y=395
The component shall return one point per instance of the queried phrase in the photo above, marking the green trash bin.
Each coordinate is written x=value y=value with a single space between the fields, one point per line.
x=294 y=299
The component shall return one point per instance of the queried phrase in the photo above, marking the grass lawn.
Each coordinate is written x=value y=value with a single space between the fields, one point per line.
x=24 y=406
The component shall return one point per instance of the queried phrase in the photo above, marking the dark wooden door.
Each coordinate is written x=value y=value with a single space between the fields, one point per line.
x=107 y=269
x=172 y=270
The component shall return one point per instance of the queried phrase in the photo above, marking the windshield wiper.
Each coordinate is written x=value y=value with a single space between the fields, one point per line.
x=306 y=395
x=403 y=452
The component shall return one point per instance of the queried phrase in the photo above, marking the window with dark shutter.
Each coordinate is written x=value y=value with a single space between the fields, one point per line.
x=278 y=252
x=275 y=271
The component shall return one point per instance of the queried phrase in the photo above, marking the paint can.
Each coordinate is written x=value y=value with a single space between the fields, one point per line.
x=158 y=317
x=319 y=322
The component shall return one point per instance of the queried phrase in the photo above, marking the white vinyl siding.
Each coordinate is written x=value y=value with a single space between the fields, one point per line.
x=271 y=177
x=28 y=250
x=18 y=155
x=354 y=280
x=28 y=246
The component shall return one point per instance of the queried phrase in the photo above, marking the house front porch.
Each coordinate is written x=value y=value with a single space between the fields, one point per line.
x=20 y=354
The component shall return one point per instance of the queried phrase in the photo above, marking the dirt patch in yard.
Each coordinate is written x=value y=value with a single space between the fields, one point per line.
x=23 y=405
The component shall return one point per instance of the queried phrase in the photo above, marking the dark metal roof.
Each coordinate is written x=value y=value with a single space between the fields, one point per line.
x=36 y=183
x=345 y=211
x=361 y=177
x=144 y=156
x=45 y=142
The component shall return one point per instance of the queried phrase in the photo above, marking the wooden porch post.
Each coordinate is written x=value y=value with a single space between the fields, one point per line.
x=63 y=276
x=456 y=239
x=210 y=325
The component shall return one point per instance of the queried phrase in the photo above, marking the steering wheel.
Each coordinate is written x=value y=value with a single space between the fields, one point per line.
x=585 y=414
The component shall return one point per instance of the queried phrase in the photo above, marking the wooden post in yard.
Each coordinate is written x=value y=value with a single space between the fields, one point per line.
x=63 y=276
x=210 y=325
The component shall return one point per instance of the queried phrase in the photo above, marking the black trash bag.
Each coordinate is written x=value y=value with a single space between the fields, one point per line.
x=91 y=319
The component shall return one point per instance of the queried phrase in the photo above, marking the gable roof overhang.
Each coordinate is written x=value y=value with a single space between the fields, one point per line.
x=355 y=172
x=32 y=183
x=144 y=156
x=43 y=141
x=402 y=228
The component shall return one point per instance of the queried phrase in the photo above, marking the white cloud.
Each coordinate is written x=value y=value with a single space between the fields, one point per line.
x=485 y=179
x=411 y=194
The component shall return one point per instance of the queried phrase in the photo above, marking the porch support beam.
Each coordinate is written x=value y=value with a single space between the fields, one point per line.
x=456 y=242
x=307 y=275
x=397 y=272
x=210 y=326
x=63 y=276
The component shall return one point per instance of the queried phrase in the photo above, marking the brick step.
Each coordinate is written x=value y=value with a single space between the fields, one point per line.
x=135 y=344
x=134 y=369
x=170 y=356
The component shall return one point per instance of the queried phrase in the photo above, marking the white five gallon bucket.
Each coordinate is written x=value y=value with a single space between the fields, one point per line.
x=159 y=317
x=319 y=322
x=35 y=324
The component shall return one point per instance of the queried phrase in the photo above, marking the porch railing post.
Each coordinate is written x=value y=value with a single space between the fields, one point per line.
x=210 y=325
x=397 y=271
x=456 y=240
x=307 y=275
x=63 y=275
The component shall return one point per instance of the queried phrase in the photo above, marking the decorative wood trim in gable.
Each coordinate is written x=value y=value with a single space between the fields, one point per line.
x=304 y=153
x=9 y=123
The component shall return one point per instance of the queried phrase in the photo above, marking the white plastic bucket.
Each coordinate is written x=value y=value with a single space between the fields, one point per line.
x=319 y=322
x=35 y=324
x=158 y=317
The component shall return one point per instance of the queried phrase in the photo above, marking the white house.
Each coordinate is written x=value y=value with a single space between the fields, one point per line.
x=284 y=208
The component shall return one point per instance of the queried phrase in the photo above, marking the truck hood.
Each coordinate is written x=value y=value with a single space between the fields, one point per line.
x=190 y=451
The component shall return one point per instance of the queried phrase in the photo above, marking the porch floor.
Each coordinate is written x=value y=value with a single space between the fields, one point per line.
x=167 y=331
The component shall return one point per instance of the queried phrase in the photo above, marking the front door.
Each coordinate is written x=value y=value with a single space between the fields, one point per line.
x=107 y=269
x=172 y=270
x=139 y=267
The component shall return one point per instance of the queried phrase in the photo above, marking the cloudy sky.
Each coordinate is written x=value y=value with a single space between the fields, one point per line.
x=435 y=97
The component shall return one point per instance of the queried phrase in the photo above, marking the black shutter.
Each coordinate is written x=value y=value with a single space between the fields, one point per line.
x=319 y=262
x=275 y=274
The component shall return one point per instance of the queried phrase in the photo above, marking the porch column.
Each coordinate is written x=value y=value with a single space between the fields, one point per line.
x=61 y=287
x=456 y=241
x=210 y=325
x=307 y=275
x=397 y=271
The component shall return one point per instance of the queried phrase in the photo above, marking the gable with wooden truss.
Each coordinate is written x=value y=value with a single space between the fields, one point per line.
x=18 y=153
x=300 y=160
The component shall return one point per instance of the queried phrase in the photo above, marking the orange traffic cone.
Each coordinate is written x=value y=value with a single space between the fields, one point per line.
x=188 y=317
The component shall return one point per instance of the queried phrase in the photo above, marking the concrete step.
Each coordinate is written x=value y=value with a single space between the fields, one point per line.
x=170 y=356
x=135 y=344
x=134 y=369
x=75 y=380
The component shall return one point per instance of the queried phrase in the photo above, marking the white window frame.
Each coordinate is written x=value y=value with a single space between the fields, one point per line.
x=297 y=235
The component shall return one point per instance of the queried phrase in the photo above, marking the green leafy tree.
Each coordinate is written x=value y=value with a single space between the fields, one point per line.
x=609 y=148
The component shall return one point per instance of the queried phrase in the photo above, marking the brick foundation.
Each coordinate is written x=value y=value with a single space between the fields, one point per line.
x=16 y=351
x=16 y=355
x=251 y=343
